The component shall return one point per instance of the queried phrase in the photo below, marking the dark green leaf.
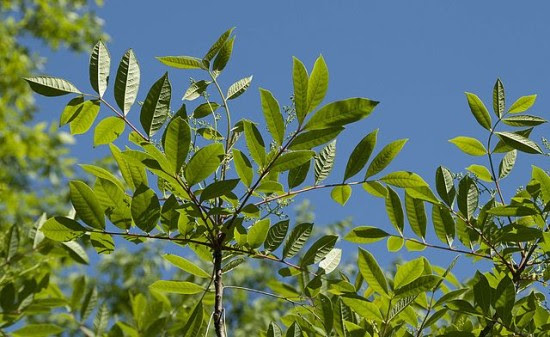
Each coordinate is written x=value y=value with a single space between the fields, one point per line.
x=360 y=155
x=507 y=164
x=213 y=51
x=177 y=142
x=255 y=143
x=324 y=162
x=12 y=242
x=127 y=81
x=291 y=159
x=38 y=330
x=238 y=88
x=205 y=109
x=219 y=188
x=313 y=138
x=444 y=225
x=297 y=239
x=224 y=55
x=156 y=107
x=519 y=142
x=274 y=330
x=51 y=86
x=294 y=331
x=204 y=163
x=420 y=285
x=499 y=102
x=297 y=175
x=102 y=243
x=76 y=252
x=445 y=185
x=467 y=197
x=366 y=234
x=145 y=208
x=523 y=120
x=319 y=249
x=100 y=64
x=276 y=235
x=394 y=209
x=416 y=214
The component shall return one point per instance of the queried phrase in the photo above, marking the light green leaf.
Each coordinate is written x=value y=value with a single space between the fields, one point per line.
x=519 y=142
x=51 y=86
x=276 y=235
x=544 y=180
x=522 y=104
x=469 y=145
x=297 y=239
x=71 y=110
x=243 y=167
x=331 y=261
x=423 y=193
x=416 y=214
x=479 y=110
x=38 y=330
x=186 y=265
x=318 y=250
x=181 y=62
x=341 y=194
x=127 y=81
x=213 y=51
x=300 y=82
x=317 y=85
x=257 y=234
x=524 y=120
x=481 y=172
x=204 y=163
x=86 y=204
x=177 y=142
x=340 y=113
x=273 y=117
x=218 y=189
x=418 y=286
x=507 y=164
x=100 y=64
x=366 y=234
x=115 y=202
x=360 y=155
x=62 y=229
x=255 y=143
x=375 y=189
x=291 y=159
x=362 y=307
x=102 y=243
x=444 y=225
x=205 y=109
x=145 y=208
x=324 y=162
x=238 y=88
x=394 y=209
x=371 y=271
x=156 y=107
x=176 y=287
x=499 y=102
x=195 y=90
x=385 y=157
x=194 y=322
x=404 y=179
x=76 y=252
x=394 y=243
x=85 y=116
x=108 y=130
x=223 y=55
x=134 y=175
x=209 y=133
x=408 y=272
x=310 y=139
x=102 y=173
x=468 y=196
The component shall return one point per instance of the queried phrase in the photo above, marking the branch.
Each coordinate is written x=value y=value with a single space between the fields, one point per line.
x=149 y=236
x=264 y=293
x=121 y=116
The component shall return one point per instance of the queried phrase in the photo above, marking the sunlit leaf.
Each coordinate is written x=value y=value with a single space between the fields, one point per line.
x=108 y=130
x=51 y=86
x=86 y=204
x=341 y=194
x=156 y=107
x=340 y=113
x=100 y=63
x=522 y=104
x=127 y=81
x=297 y=239
x=469 y=145
x=360 y=155
x=176 y=287
x=204 y=163
x=371 y=271
x=479 y=110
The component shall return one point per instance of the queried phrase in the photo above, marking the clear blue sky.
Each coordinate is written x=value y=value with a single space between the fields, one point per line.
x=416 y=57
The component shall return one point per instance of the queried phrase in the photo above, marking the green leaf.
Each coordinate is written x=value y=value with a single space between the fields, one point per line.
x=371 y=271
x=102 y=243
x=12 y=242
x=318 y=250
x=62 y=229
x=145 y=208
x=238 y=88
x=501 y=147
x=291 y=159
x=507 y=164
x=360 y=155
x=362 y=307
x=395 y=243
x=423 y=193
x=297 y=239
x=255 y=143
x=76 y=252
x=341 y=194
x=274 y=331
x=404 y=179
x=444 y=225
x=257 y=234
x=385 y=157
x=156 y=107
x=394 y=209
x=375 y=189
x=479 y=110
x=223 y=55
x=523 y=120
x=205 y=109
x=469 y=145
x=310 y=139
x=71 y=110
x=300 y=82
x=294 y=331
x=317 y=85
x=127 y=81
x=416 y=214
x=85 y=116
x=195 y=90
x=218 y=189
x=51 y=86
x=133 y=175
x=408 y=272
x=340 y=113
x=213 y=51
x=366 y=234
x=209 y=133
x=522 y=104
x=276 y=235
x=100 y=64
x=499 y=102
x=519 y=142
x=468 y=195
x=505 y=297
x=445 y=185
x=331 y=261
x=176 y=287
x=181 y=62
x=298 y=175
x=86 y=204
x=325 y=309
x=177 y=142
x=38 y=330
x=273 y=117
x=481 y=172
x=243 y=167
x=324 y=162
x=482 y=292
x=204 y=163
x=544 y=180
x=418 y=286
x=108 y=130
x=186 y=265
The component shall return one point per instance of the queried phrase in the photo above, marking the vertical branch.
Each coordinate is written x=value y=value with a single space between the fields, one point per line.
x=219 y=322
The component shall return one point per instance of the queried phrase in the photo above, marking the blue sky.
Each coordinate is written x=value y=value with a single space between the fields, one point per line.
x=416 y=57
